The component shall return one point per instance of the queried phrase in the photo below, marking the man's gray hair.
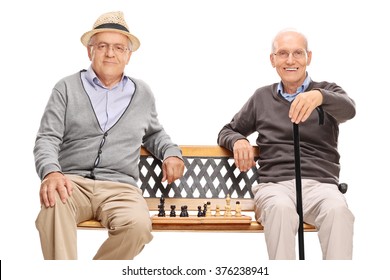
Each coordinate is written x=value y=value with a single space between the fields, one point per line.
x=286 y=30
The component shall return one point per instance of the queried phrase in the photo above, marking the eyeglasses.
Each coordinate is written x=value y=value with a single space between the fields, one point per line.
x=283 y=54
x=117 y=48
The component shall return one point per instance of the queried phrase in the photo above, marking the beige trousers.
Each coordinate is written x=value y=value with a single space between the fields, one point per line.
x=323 y=206
x=120 y=207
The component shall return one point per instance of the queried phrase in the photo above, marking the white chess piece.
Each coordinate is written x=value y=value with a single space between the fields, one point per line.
x=228 y=209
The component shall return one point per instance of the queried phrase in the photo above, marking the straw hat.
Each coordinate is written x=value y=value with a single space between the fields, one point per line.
x=114 y=22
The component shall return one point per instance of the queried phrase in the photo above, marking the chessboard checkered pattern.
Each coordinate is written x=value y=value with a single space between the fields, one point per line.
x=204 y=177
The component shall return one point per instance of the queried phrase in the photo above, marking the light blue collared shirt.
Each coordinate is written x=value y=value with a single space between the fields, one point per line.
x=108 y=104
x=290 y=97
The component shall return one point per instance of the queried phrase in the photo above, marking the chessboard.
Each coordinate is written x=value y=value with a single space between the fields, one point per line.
x=205 y=216
x=195 y=220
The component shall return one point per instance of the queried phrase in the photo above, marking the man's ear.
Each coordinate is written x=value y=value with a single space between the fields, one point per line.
x=272 y=59
x=128 y=59
x=89 y=49
x=308 y=58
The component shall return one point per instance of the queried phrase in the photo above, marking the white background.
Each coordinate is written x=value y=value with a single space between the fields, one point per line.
x=203 y=60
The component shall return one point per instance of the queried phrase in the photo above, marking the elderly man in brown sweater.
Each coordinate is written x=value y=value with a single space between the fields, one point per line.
x=270 y=112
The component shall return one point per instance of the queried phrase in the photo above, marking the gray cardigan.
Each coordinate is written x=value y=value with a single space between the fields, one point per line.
x=266 y=113
x=70 y=137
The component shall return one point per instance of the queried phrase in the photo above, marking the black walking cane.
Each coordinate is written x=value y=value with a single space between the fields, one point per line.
x=298 y=186
x=298 y=182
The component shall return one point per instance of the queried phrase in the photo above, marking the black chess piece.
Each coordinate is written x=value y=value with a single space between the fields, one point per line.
x=173 y=213
x=161 y=211
x=184 y=211
x=161 y=206
x=204 y=209
x=200 y=213
x=162 y=200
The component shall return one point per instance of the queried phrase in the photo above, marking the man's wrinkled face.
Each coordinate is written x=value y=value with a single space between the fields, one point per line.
x=290 y=58
x=109 y=53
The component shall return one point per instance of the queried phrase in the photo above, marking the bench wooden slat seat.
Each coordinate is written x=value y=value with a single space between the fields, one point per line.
x=210 y=175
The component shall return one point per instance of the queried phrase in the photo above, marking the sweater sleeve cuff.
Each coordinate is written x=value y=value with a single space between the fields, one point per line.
x=49 y=169
x=234 y=139
x=173 y=152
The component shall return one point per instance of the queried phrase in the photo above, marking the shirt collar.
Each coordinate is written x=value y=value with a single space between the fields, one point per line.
x=302 y=88
x=94 y=81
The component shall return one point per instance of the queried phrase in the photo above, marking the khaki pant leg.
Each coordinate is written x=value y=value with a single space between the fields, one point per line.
x=326 y=207
x=57 y=225
x=275 y=209
x=124 y=212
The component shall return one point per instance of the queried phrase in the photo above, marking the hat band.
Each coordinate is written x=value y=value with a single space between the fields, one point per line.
x=112 y=26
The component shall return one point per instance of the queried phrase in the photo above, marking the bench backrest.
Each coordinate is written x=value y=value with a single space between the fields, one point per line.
x=210 y=175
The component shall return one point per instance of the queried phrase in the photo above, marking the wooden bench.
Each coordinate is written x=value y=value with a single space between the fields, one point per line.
x=210 y=175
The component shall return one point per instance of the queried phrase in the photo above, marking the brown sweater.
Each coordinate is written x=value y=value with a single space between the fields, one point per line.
x=266 y=113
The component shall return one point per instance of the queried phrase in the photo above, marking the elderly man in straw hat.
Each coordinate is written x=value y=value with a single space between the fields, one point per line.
x=88 y=145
